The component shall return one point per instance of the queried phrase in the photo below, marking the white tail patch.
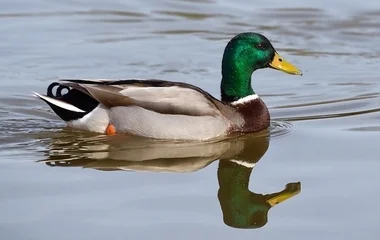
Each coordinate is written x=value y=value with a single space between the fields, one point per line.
x=95 y=121
x=246 y=99
x=59 y=103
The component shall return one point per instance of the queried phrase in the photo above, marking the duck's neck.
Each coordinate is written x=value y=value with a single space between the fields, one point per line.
x=241 y=207
x=236 y=80
x=234 y=177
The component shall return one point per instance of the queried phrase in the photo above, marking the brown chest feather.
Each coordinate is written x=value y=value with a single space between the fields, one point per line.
x=255 y=114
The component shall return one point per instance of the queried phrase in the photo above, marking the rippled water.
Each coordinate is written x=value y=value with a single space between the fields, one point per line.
x=321 y=157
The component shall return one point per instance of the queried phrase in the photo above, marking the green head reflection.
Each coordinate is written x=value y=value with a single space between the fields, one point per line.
x=241 y=207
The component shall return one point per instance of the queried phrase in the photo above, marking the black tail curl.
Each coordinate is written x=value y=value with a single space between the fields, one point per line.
x=58 y=92
x=73 y=97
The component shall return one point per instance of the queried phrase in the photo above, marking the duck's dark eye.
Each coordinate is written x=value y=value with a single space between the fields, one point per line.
x=260 y=46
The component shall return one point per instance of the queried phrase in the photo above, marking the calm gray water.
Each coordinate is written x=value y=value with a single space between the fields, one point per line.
x=56 y=183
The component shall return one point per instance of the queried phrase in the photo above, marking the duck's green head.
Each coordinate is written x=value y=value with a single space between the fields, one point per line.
x=244 y=54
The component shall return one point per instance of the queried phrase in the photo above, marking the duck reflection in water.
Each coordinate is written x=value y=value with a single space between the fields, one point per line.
x=237 y=158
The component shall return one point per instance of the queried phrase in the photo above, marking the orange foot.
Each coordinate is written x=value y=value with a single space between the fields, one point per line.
x=110 y=130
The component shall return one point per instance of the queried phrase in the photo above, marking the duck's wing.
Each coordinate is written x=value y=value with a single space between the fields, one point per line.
x=164 y=97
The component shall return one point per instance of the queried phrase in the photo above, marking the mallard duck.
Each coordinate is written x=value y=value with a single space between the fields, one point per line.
x=174 y=110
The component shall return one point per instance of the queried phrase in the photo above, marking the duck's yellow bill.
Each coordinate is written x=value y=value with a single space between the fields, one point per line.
x=284 y=195
x=280 y=64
